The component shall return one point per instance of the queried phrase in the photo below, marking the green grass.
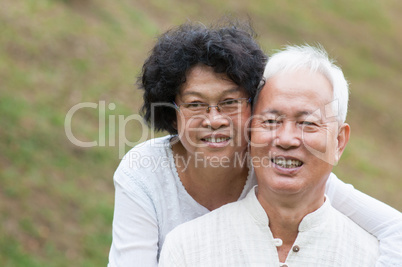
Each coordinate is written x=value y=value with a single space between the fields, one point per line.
x=56 y=199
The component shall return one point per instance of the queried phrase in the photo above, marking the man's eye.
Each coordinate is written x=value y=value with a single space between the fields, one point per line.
x=270 y=121
x=309 y=126
x=308 y=123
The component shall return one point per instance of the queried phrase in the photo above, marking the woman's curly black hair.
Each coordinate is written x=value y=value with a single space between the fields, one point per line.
x=229 y=49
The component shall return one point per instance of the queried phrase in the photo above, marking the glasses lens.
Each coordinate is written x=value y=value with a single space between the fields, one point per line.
x=232 y=106
x=190 y=109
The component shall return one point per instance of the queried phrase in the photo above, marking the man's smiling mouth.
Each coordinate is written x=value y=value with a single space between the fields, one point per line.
x=287 y=163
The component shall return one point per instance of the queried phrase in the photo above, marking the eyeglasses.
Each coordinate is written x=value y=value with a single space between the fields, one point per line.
x=227 y=107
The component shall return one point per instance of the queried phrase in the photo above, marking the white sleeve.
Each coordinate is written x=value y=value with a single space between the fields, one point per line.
x=372 y=215
x=171 y=254
x=135 y=228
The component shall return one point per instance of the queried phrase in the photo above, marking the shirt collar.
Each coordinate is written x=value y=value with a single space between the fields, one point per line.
x=316 y=217
x=260 y=217
x=254 y=207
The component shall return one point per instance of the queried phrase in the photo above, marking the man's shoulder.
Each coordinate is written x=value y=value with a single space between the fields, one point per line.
x=214 y=239
x=337 y=238
x=218 y=220
x=352 y=232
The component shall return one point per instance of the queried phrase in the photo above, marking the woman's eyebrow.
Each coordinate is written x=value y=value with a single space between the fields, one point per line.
x=191 y=93
x=232 y=90
x=223 y=92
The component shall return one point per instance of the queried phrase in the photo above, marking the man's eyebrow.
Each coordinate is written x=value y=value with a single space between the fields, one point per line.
x=304 y=113
x=270 y=111
x=314 y=114
x=298 y=114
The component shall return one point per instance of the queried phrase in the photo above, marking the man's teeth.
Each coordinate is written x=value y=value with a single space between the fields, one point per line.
x=290 y=163
x=216 y=140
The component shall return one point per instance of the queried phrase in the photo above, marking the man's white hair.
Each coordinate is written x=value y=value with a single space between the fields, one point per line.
x=314 y=59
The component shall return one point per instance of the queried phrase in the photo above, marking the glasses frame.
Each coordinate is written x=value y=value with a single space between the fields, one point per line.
x=217 y=106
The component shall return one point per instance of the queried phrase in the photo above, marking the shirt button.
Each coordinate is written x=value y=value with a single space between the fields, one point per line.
x=296 y=248
x=278 y=242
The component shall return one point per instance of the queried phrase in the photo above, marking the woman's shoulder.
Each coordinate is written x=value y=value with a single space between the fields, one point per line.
x=217 y=220
x=143 y=155
x=148 y=164
x=151 y=146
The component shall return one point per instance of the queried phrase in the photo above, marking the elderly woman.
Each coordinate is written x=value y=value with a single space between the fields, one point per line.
x=198 y=84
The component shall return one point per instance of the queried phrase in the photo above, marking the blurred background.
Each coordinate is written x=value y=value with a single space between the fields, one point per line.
x=56 y=198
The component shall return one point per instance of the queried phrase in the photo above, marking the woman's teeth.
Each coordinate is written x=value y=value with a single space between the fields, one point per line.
x=290 y=163
x=216 y=139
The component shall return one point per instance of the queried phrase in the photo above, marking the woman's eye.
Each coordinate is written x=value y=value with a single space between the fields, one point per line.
x=229 y=102
x=194 y=105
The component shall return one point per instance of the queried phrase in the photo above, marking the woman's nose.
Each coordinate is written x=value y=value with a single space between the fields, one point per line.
x=215 y=119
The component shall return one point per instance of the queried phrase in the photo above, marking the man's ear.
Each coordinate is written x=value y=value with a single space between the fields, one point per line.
x=343 y=139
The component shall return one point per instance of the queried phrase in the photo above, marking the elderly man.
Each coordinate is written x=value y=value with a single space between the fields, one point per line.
x=298 y=133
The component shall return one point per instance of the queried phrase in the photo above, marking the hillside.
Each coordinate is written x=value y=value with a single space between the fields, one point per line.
x=56 y=198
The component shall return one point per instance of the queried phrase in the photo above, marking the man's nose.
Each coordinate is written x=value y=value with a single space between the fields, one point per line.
x=288 y=135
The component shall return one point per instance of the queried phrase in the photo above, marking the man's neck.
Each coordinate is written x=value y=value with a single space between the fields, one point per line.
x=285 y=213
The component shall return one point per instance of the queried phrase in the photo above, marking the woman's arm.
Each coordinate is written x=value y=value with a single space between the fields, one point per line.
x=375 y=217
x=135 y=229
x=170 y=255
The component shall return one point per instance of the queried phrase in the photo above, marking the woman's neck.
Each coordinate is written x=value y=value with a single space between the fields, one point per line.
x=211 y=184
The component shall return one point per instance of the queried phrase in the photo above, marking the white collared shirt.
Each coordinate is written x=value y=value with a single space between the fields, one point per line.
x=238 y=235
x=150 y=201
